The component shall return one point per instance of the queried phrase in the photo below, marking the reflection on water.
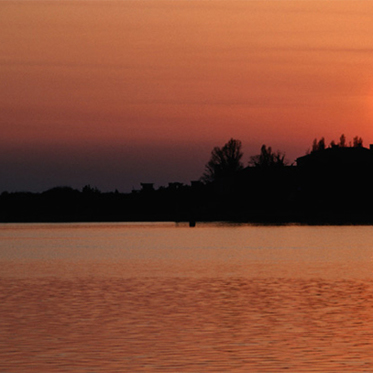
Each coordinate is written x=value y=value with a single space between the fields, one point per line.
x=267 y=305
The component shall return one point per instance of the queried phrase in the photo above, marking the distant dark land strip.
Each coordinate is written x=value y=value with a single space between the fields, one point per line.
x=266 y=203
x=329 y=185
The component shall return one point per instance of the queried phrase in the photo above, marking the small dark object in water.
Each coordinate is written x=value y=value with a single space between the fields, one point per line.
x=192 y=223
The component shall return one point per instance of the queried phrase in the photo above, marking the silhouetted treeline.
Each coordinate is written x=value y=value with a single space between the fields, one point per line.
x=329 y=185
x=65 y=204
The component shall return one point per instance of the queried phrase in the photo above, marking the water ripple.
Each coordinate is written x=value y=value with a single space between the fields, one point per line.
x=185 y=325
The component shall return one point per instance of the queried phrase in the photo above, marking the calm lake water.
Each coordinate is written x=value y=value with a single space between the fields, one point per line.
x=169 y=298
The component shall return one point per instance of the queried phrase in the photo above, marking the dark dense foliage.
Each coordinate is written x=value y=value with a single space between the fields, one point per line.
x=331 y=184
x=224 y=162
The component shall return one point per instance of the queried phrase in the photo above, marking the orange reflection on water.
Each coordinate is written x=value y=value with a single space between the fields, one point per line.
x=185 y=324
x=167 y=298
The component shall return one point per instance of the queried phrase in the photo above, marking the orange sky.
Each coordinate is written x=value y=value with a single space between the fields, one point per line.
x=114 y=93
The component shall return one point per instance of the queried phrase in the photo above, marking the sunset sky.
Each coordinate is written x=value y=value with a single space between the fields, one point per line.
x=114 y=93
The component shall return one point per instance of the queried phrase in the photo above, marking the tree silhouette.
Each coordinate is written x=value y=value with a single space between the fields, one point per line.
x=87 y=189
x=357 y=142
x=342 y=141
x=267 y=158
x=224 y=161
x=321 y=144
x=318 y=145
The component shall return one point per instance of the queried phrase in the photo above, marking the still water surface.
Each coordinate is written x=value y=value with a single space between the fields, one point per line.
x=169 y=298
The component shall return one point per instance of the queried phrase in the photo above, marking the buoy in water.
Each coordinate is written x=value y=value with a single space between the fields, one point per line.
x=192 y=223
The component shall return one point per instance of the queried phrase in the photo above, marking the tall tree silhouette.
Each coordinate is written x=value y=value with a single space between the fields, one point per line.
x=357 y=142
x=318 y=145
x=342 y=141
x=224 y=161
x=267 y=158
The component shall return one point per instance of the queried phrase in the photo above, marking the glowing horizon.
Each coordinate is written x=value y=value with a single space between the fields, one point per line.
x=113 y=93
